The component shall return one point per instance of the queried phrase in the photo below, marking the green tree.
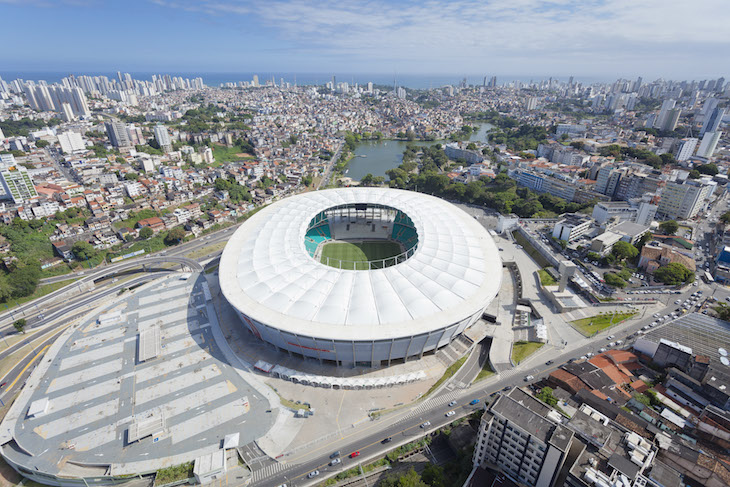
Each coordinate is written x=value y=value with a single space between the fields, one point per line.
x=624 y=250
x=646 y=238
x=131 y=176
x=24 y=280
x=614 y=280
x=725 y=218
x=408 y=479
x=20 y=325
x=710 y=169
x=83 y=250
x=433 y=475
x=471 y=146
x=174 y=236
x=42 y=143
x=222 y=184
x=669 y=227
x=367 y=180
x=723 y=311
x=546 y=396
x=673 y=274
x=145 y=233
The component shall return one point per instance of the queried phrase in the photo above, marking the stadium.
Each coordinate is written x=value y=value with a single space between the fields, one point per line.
x=360 y=276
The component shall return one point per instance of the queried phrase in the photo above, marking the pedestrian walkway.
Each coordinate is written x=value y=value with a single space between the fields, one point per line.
x=268 y=471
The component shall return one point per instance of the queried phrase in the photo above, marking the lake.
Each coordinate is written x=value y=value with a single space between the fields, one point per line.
x=381 y=155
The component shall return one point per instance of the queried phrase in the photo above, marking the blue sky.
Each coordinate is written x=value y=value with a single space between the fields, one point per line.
x=675 y=39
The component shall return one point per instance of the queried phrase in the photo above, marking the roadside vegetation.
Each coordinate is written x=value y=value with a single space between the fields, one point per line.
x=595 y=324
x=545 y=278
x=447 y=375
x=521 y=350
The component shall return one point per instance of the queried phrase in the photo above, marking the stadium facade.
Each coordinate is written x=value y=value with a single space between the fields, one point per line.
x=362 y=313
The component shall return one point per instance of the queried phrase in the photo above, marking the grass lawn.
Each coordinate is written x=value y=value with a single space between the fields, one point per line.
x=223 y=154
x=545 y=278
x=485 y=372
x=447 y=375
x=594 y=324
x=203 y=251
x=352 y=254
x=522 y=350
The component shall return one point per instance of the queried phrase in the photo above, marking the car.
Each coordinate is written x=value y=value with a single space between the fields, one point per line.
x=452 y=404
x=602 y=349
x=335 y=454
x=357 y=453
x=619 y=342
x=612 y=344
x=583 y=357
x=549 y=362
x=313 y=474
x=528 y=378
x=656 y=315
x=335 y=462
x=450 y=413
x=505 y=389
x=387 y=440
x=282 y=485
x=473 y=402
x=610 y=337
x=423 y=425
x=678 y=301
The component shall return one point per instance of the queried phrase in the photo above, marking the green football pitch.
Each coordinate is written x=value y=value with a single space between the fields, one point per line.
x=355 y=255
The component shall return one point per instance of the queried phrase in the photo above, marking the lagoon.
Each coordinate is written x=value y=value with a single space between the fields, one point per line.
x=377 y=156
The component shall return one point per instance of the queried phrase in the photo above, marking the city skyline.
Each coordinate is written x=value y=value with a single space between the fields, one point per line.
x=589 y=39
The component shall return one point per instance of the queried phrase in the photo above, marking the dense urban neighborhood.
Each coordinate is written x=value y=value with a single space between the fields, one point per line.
x=602 y=361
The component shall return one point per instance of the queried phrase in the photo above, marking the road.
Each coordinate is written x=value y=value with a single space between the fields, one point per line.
x=328 y=172
x=174 y=254
x=405 y=426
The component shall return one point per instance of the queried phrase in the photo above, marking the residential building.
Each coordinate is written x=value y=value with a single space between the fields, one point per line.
x=604 y=242
x=71 y=142
x=16 y=182
x=453 y=151
x=571 y=227
x=684 y=201
x=523 y=438
x=618 y=210
x=163 y=138
x=712 y=121
x=655 y=255
x=118 y=135
x=686 y=148
x=661 y=118
x=709 y=144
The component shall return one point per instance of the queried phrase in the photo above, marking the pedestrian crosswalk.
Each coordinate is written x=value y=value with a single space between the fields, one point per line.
x=268 y=471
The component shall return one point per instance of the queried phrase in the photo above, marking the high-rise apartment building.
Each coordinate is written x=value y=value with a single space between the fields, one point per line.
x=523 y=438
x=686 y=148
x=661 y=118
x=712 y=121
x=531 y=103
x=684 y=201
x=15 y=180
x=709 y=144
x=118 y=135
x=163 y=138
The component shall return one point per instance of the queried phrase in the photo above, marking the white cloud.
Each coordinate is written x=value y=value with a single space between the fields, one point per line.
x=513 y=34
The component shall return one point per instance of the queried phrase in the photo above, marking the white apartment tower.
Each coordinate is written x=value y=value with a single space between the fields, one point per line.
x=522 y=438
x=163 y=138
x=684 y=201
x=709 y=144
x=686 y=148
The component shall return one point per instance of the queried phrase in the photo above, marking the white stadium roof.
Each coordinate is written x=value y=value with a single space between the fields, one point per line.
x=266 y=272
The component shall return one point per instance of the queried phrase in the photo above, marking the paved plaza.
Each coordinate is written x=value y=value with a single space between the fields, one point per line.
x=95 y=395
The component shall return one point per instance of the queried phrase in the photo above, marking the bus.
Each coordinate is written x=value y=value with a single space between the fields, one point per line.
x=707 y=277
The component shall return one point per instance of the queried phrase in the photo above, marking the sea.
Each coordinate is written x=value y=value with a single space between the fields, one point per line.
x=414 y=81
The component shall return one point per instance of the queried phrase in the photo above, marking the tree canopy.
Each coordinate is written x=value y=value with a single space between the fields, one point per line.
x=674 y=273
x=624 y=250
x=669 y=227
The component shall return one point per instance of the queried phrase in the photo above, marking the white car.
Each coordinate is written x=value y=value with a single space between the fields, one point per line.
x=311 y=475
x=335 y=462
x=602 y=349
x=528 y=378
x=450 y=413
x=452 y=404
x=427 y=423
x=610 y=337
